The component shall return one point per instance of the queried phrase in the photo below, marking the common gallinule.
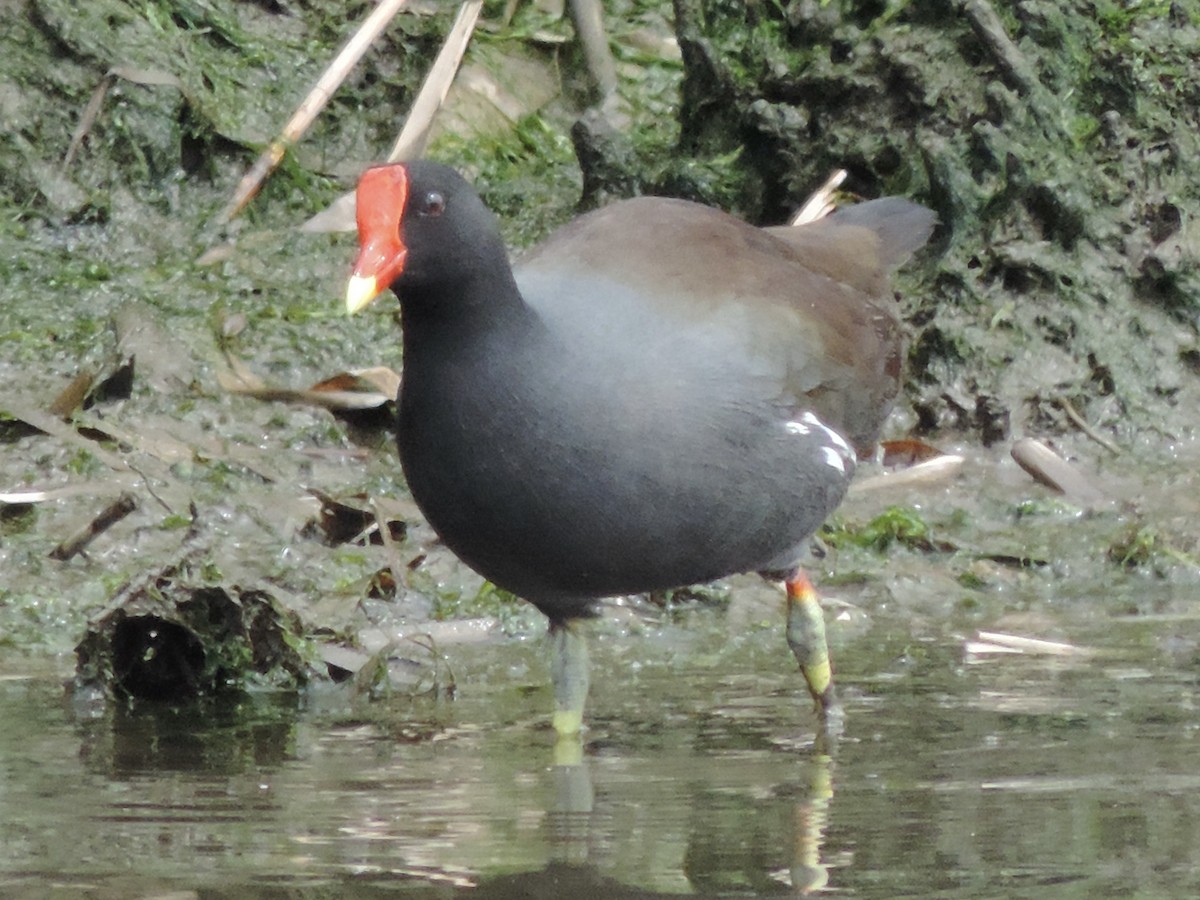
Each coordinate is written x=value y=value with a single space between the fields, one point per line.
x=656 y=396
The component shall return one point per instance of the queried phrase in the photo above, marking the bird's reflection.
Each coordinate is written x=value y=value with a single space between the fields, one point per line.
x=390 y=807
x=728 y=850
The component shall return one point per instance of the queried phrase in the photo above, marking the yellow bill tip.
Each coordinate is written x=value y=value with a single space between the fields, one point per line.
x=360 y=291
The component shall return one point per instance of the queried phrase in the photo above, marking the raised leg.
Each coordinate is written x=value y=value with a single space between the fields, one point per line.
x=569 y=674
x=806 y=637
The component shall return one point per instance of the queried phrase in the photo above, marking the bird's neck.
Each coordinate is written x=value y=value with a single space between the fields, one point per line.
x=477 y=304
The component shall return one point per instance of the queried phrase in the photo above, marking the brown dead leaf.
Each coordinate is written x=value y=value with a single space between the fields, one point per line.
x=72 y=396
x=346 y=391
x=907 y=452
x=343 y=523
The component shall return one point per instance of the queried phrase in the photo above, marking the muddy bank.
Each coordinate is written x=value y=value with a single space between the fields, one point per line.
x=1052 y=146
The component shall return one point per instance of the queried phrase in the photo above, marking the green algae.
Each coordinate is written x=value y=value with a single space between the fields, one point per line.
x=1050 y=278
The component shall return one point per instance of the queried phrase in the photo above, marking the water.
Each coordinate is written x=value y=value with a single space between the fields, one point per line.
x=961 y=775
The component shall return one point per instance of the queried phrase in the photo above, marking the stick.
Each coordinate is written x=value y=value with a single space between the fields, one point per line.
x=108 y=517
x=90 y=113
x=821 y=203
x=411 y=142
x=54 y=426
x=1013 y=643
x=589 y=24
x=1087 y=429
x=931 y=471
x=329 y=81
x=339 y=215
x=990 y=30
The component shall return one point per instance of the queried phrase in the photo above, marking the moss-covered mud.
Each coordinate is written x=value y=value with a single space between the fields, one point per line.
x=1060 y=165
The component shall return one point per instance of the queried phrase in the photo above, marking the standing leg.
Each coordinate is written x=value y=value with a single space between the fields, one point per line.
x=569 y=674
x=806 y=637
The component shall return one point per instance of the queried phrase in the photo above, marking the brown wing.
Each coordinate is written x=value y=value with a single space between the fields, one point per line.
x=812 y=302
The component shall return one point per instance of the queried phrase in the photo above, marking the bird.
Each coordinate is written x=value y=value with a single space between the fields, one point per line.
x=657 y=395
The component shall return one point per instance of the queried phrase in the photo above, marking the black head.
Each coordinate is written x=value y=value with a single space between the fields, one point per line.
x=422 y=229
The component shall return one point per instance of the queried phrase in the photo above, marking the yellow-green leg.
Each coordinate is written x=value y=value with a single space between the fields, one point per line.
x=806 y=637
x=569 y=674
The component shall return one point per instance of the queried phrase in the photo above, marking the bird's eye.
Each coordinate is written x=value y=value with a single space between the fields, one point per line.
x=432 y=204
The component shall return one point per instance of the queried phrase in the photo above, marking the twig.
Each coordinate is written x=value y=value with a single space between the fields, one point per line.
x=931 y=471
x=90 y=113
x=999 y=642
x=52 y=425
x=820 y=203
x=108 y=517
x=149 y=488
x=589 y=24
x=339 y=215
x=990 y=30
x=329 y=81
x=411 y=142
x=113 y=485
x=95 y=103
x=1087 y=429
